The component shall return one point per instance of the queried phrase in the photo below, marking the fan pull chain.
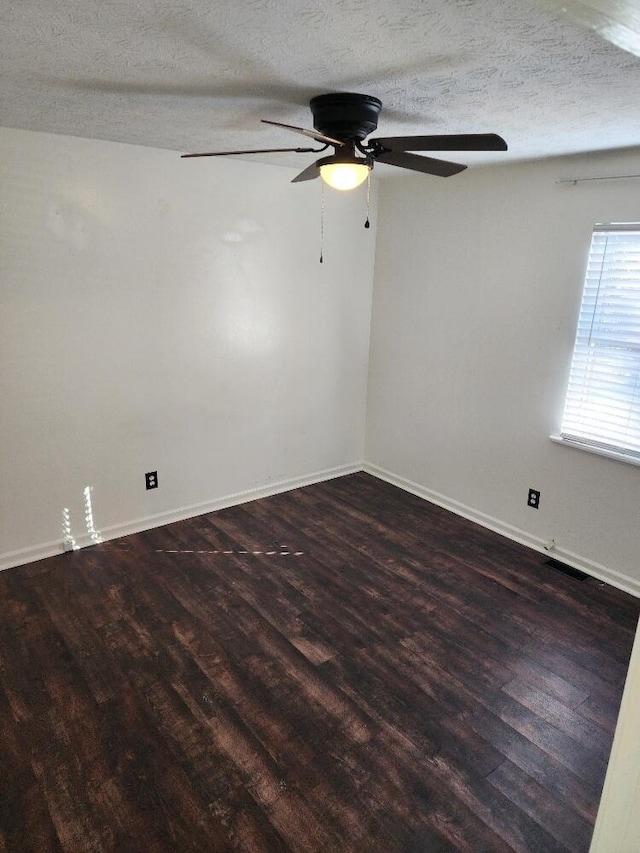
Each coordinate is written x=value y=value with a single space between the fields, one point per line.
x=367 y=223
x=321 y=220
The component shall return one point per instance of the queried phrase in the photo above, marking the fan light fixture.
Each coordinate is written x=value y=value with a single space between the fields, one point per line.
x=343 y=172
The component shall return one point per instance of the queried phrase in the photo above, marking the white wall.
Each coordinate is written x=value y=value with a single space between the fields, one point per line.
x=172 y=315
x=477 y=289
x=169 y=315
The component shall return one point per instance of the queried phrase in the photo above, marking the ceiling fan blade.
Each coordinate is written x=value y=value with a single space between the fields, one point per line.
x=444 y=142
x=442 y=168
x=252 y=151
x=312 y=133
x=307 y=174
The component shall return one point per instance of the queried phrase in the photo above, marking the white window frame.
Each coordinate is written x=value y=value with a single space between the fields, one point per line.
x=602 y=401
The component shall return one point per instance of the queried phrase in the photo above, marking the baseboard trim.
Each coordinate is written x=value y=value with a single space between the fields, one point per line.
x=592 y=568
x=23 y=556
x=51 y=549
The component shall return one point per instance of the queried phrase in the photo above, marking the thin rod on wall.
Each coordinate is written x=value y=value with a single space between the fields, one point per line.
x=575 y=181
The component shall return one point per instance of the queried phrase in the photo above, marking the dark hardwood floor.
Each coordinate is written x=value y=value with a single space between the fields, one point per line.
x=343 y=667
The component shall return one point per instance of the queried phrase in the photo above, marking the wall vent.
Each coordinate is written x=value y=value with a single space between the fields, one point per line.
x=566 y=570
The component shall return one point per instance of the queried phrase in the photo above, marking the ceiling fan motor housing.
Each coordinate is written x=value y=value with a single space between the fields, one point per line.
x=345 y=115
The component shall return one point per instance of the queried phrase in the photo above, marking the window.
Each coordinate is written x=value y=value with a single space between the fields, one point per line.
x=602 y=406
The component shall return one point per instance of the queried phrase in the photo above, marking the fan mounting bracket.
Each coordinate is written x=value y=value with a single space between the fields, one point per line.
x=345 y=115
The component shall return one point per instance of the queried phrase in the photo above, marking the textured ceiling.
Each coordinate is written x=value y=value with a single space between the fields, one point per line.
x=198 y=76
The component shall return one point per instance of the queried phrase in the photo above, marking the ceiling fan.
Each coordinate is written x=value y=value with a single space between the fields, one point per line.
x=343 y=120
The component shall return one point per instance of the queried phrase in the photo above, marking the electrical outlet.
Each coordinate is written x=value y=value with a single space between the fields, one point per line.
x=534 y=499
x=151 y=479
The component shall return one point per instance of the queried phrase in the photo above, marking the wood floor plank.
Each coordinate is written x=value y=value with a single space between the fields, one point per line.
x=585 y=732
x=21 y=801
x=576 y=669
x=553 y=685
x=566 y=827
x=343 y=668
x=601 y=711
x=537 y=764
x=587 y=765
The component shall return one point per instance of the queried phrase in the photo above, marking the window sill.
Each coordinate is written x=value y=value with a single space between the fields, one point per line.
x=599 y=451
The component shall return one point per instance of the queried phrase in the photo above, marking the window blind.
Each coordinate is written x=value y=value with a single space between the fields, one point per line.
x=602 y=406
